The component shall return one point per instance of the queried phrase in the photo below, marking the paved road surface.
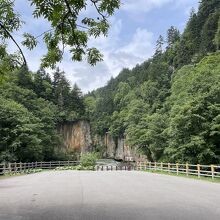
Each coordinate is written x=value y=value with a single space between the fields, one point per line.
x=74 y=195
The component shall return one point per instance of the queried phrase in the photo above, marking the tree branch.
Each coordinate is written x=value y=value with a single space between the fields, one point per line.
x=100 y=13
x=12 y=38
x=44 y=33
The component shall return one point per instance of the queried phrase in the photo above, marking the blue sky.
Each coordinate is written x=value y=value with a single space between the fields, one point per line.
x=134 y=31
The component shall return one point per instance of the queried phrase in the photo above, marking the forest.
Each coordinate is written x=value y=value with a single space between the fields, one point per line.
x=168 y=106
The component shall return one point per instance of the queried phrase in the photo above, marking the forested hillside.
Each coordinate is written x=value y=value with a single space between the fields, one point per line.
x=169 y=106
x=31 y=107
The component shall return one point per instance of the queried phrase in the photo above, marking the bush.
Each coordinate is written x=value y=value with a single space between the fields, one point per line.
x=78 y=167
x=88 y=160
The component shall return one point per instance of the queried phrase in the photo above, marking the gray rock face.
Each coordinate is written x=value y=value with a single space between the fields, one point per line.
x=110 y=146
x=76 y=136
x=119 y=150
x=119 y=153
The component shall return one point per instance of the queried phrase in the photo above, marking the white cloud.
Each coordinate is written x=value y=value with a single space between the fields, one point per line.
x=143 y=6
x=119 y=51
x=136 y=51
x=116 y=57
x=136 y=6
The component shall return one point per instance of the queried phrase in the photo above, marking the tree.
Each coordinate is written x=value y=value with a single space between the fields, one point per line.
x=28 y=123
x=68 y=28
x=217 y=37
x=173 y=35
x=194 y=110
x=43 y=84
x=208 y=33
x=159 y=46
x=19 y=133
x=76 y=106
x=61 y=89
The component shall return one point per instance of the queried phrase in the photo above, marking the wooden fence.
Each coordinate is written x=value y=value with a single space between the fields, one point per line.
x=198 y=170
x=19 y=167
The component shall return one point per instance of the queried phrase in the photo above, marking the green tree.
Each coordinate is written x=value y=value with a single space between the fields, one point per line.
x=76 y=106
x=68 y=27
x=217 y=37
x=208 y=33
x=19 y=133
x=61 y=90
x=173 y=35
x=43 y=84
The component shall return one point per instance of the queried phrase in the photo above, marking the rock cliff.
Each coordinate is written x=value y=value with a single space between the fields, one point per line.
x=77 y=137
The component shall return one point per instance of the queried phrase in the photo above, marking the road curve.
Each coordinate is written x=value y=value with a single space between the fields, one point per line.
x=122 y=195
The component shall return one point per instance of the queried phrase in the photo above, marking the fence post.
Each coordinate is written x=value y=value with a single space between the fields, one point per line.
x=155 y=165
x=9 y=167
x=15 y=167
x=177 y=169
x=145 y=165
x=4 y=168
x=161 y=166
x=198 y=170
x=187 y=169
x=20 y=167
x=213 y=171
x=168 y=167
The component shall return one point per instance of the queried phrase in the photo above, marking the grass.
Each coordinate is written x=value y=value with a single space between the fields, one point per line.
x=209 y=179
x=30 y=171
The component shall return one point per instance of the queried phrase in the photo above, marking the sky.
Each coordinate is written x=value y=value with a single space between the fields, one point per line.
x=135 y=27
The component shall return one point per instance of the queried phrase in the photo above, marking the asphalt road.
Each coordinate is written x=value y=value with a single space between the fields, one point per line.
x=122 y=195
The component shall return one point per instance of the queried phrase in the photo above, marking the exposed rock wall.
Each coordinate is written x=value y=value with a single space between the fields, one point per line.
x=76 y=136
x=119 y=150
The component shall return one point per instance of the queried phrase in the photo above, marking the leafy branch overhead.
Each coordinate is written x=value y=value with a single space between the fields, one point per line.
x=70 y=29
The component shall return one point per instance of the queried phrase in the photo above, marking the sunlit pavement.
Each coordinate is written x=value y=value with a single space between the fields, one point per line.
x=121 y=195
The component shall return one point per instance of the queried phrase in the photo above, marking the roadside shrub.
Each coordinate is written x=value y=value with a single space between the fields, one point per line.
x=78 y=167
x=88 y=160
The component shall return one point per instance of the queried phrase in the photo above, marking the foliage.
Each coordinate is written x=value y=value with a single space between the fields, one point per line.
x=88 y=159
x=31 y=106
x=68 y=28
x=26 y=171
x=168 y=106
x=78 y=167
